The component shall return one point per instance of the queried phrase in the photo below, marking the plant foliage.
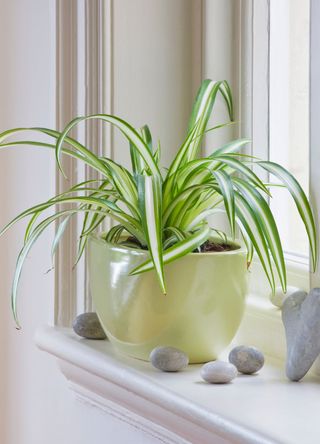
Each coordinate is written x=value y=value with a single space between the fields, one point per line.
x=167 y=213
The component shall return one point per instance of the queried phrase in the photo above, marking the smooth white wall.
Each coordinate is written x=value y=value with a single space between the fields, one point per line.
x=29 y=382
x=219 y=63
x=36 y=405
x=155 y=80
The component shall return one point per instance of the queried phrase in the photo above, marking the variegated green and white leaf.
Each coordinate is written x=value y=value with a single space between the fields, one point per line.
x=150 y=201
x=176 y=231
x=221 y=234
x=157 y=153
x=268 y=226
x=239 y=167
x=23 y=143
x=181 y=158
x=190 y=208
x=199 y=118
x=147 y=137
x=205 y=206
x=202 y=110
x=186 y=197
x=114 y=234
x=124 y=184
x=178 y=250
x=129 y=132
x=226 y=186
x=109 y=207
x=247 y=241
x=230 y=148
x=301 y=202
x=177 y=235
x=59 y=233
x=250 y=224
x=88 y=155
x=137 y=162
x=38 y=230
x=170 y=217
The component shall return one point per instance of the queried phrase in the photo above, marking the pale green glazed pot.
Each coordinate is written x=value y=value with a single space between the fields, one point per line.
x=200 y=314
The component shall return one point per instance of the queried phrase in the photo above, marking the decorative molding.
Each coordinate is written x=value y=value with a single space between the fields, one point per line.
x=243 y=59
x=260 y=78
x=198 y=35
x=99 y=98
x=126 y=389
x=139 y=423
x=83 y=86
x=99 y=70
x=66 y=108
x=252 y=24
x=243 y=25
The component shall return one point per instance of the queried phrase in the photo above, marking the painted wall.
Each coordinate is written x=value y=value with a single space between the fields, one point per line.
x=36 y=405
x=31 y=389
x=219 y=63
x=155 y=79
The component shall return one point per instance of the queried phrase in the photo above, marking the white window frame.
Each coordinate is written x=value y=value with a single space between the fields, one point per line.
x=83 y=86
x=254 y=50
x=254 y=75
x=85 y=66
x=84 y=55
x=314 y=119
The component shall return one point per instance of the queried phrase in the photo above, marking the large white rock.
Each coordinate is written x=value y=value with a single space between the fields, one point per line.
x=301 y=319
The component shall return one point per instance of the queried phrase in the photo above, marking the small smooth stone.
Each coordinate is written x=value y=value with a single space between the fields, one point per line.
x=277 y=298
x=301 y=319
x=248 y=360
x=218 y=372
x=168 y=359
x=87 y=325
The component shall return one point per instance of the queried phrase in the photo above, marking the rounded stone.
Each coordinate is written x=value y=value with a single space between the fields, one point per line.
x=87 y=325
x=248 y=360
x=168 y=359
x=218 y=372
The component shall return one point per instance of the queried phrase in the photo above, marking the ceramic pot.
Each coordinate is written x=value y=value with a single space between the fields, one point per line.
x=200 y=314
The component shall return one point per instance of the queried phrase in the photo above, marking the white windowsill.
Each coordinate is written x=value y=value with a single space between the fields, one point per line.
x=179 y=408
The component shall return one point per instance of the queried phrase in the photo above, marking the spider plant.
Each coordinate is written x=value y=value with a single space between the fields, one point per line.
x=166 y=213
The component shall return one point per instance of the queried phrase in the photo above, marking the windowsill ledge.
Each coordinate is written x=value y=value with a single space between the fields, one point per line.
x=179 y=408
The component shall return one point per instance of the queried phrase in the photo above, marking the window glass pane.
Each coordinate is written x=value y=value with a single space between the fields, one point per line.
x=289 y=111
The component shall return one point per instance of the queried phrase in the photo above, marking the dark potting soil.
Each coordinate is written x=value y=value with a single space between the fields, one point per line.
x=207 y=247
x=210 y=246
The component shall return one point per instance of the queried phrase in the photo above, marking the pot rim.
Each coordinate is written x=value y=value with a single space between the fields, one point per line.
x=97 y=237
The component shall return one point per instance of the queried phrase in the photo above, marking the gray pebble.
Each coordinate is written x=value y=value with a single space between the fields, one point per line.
x=218 y=372
x=168 y=359
x=301 y=319
x=248 y=360
x=87 y=325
